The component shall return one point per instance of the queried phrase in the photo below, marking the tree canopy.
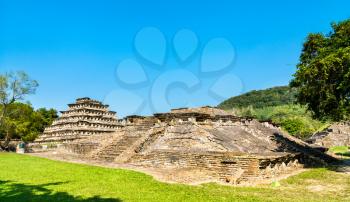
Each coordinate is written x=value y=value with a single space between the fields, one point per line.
x=23 y=122
x=323 y=73
x=20 y=120
x=15 y=86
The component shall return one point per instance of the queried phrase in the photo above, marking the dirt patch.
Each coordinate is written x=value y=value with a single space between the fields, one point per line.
x=324 y=188
x=316 y=188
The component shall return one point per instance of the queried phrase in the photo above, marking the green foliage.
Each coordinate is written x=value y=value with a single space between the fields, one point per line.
x=28 y=178
x=295 y=119
x=23 y=122
x=275 y=96
x=47 y=115
x=14 y=87
x=298 y=127
x=323 y=74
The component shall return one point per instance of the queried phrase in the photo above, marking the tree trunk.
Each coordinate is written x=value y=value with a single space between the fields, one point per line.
x=7 y=141
x=5 y=146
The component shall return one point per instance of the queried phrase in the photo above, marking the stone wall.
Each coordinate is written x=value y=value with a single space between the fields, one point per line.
x=223 y=166
x=35 y=147
x=273 y=166
x=81 y=148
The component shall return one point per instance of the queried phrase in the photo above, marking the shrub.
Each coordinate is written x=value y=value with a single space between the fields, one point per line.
x=297 y=127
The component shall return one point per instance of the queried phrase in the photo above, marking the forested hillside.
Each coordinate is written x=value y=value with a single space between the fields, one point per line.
x=275 y=96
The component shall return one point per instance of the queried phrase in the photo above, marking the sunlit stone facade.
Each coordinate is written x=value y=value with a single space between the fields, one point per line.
x=83 y=118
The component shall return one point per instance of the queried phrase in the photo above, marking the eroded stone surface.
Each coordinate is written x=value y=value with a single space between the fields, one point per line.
x=337 y=134
x=218 y=145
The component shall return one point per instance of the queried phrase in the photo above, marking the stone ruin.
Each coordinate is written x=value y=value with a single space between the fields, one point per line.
x=205 y=143
x=338 y=134
x=83 y=118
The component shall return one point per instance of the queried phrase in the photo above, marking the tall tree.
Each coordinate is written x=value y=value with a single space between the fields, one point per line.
x=13 y=87
x=323 y=73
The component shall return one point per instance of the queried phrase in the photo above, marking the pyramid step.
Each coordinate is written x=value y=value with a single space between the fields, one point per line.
x=116 y=148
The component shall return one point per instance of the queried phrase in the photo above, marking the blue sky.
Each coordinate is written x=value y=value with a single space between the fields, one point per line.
x=77 y=48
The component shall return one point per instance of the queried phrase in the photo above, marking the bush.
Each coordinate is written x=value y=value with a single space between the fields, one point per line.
x=297 y=127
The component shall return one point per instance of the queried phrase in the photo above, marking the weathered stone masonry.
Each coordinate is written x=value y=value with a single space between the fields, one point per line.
x=84 y=118
x=223 y=165
x=225 y=147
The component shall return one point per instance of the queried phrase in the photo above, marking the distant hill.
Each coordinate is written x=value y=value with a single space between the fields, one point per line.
x=275 y=96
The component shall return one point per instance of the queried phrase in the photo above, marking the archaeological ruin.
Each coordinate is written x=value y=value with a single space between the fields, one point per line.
x=83 y=118
x=337 y=134
x=206 y=143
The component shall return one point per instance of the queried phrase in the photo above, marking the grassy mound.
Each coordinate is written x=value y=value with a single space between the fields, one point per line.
x=26 y=178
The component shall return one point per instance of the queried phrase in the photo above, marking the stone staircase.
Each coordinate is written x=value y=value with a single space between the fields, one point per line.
x=123 y=143
x=145 y=125
x=116 y=147
x=126 y=144
x=146 y=138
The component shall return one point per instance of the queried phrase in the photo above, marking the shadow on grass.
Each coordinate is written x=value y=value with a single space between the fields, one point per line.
x=346 y=154
x=10 y=191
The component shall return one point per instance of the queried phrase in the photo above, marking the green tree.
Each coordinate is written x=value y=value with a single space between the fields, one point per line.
x=323 y=73
x=13 y=87
x=47 y=115
x=23 y=122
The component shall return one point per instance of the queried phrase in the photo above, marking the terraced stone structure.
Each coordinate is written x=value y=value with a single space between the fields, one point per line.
x=83 y=118
x=199 y=144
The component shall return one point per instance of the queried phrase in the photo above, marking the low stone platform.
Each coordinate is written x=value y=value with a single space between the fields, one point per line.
x=205 y=143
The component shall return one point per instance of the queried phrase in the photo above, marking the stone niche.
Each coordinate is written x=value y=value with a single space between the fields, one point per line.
x=83 y=118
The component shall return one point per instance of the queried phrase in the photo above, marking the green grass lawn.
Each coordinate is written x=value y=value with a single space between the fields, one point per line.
x=340 y=150
x=26 y=178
